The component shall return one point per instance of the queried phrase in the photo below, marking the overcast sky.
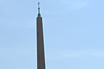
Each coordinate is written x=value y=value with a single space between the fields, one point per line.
x=73 y=34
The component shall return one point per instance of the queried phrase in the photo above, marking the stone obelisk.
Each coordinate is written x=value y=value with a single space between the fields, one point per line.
x=40 y=42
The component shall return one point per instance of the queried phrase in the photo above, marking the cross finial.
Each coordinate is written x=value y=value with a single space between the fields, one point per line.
x=38 y=8
x=38 y=4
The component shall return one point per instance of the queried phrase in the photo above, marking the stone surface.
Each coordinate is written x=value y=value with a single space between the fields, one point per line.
x=40 y=44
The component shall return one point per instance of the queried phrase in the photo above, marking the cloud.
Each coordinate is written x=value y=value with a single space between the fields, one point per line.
x=11 y=51
x=17 y=23
x=83 y=53
x=62 y=6
x=74 y=4
x=66 y=54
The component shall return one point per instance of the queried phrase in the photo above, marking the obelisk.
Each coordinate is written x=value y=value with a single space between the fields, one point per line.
x=40 y=42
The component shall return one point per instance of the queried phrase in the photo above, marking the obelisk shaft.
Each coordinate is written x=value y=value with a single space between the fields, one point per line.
x=40 y=44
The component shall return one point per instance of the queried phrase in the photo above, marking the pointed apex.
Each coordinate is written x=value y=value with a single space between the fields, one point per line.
x=39 y=9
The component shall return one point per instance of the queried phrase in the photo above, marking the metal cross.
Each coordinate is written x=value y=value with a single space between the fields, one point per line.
x=38 y=4
x=38 y=8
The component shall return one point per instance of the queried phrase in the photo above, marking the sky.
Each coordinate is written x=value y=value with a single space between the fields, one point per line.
x=73 y=34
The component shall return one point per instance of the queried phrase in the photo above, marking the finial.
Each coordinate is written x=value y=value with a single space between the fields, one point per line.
x=38 y=8
x=38 y=4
